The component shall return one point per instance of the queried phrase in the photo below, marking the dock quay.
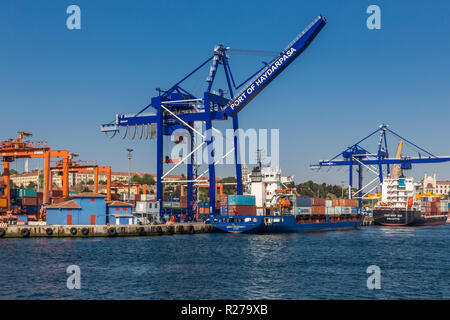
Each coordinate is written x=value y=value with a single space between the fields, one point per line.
x=85 y=231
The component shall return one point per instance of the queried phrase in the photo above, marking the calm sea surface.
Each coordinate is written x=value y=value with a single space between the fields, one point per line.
x=414 y=262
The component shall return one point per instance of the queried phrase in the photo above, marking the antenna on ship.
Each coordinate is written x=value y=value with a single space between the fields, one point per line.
x=259 y=157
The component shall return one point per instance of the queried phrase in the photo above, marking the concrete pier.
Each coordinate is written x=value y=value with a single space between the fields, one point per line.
x=30 y=231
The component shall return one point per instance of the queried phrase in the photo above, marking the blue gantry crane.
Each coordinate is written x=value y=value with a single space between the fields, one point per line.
x=358 y=156
x=177 y=108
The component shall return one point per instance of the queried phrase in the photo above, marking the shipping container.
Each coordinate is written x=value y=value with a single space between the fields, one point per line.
x=56 y=194
x=28 y=201
x=175 y=204
x=3 y=202
x=22 y=219
x=303 y=202
x=241 y=200
x=167 y=204
x=26 y=193
x=318 y=202
x=32 y=209
x=328 y=203
x=223 y=210
x=148 y=197
x=223 y=200
x=304 y=210
x=318 y=209
x=241 y=210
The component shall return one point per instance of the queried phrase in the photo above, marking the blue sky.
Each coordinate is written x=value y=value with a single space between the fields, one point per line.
x=62 y=84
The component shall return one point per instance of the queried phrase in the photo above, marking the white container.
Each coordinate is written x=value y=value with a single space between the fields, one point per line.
x=175 y=204
x=346 y=210
x=148 y=197
x=328 y=203
x=303 y=210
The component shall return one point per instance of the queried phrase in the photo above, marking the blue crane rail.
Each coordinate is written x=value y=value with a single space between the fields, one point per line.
x=275 y=67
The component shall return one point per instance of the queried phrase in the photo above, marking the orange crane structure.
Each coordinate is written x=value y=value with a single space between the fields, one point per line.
x=84 y=167
x=13 y=149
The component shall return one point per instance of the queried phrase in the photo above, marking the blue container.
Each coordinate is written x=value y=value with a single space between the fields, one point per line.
x=23 y=219
x=32 y=209
x=303 y=202
x=241 y=200
x=401 y=182
x=354 y=210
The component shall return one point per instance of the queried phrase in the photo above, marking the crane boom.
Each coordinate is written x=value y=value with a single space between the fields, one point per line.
x=275 y=67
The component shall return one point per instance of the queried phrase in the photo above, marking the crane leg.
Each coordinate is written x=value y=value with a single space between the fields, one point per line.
x=159 y=159
x=211 y=167
x=190 y=173
x=237 y=158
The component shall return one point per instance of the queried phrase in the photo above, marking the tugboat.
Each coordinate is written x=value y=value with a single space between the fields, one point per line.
x=401 y=206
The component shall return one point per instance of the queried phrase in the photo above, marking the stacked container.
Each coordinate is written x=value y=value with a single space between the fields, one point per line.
x=223 y=203
x=241 y=205
x=319 y=206
x=303 y=205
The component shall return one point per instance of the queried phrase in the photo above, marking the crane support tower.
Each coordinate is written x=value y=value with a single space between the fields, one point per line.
x=176 y=108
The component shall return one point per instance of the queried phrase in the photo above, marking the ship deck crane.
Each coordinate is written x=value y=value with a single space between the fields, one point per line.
x=176 y=108
x=358 y=156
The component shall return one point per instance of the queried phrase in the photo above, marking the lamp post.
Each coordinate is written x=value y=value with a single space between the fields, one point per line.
x=129 y=169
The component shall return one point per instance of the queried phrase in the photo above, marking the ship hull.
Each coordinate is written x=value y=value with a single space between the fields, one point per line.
x=281 y=224
x=402 y=217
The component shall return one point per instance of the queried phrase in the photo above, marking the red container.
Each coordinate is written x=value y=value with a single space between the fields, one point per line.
x=224 y=200
x=56 y=194
x=318 y=210
x=28 y=201
x=241 y=210
x=317 y=202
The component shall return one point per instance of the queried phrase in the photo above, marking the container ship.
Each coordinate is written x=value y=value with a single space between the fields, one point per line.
x=401 y=205
x=271 y=207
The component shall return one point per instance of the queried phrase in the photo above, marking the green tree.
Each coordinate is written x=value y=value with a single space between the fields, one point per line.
x=31 y=185
x=148 y=179
x=136 y=179
x=229 y=188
